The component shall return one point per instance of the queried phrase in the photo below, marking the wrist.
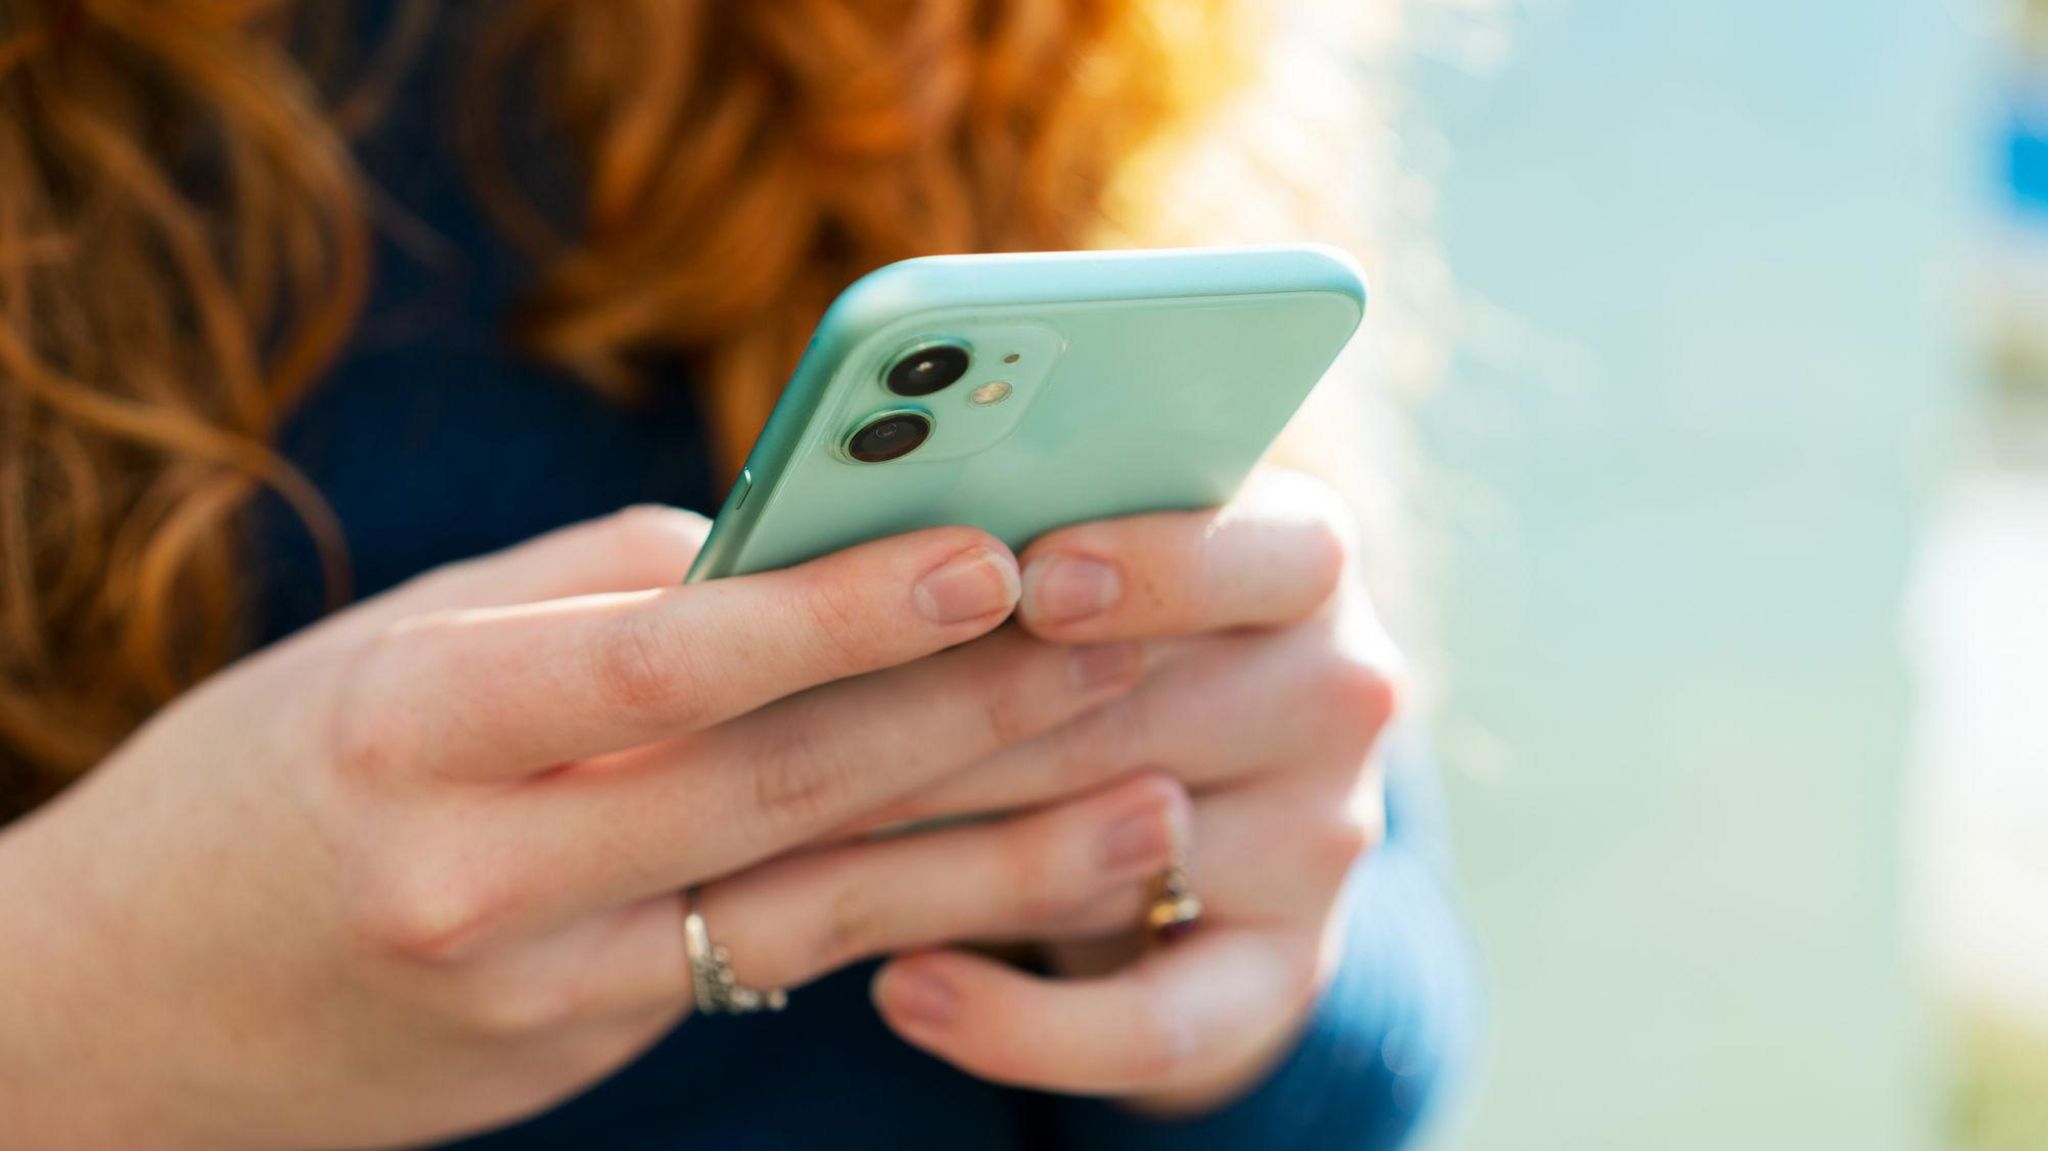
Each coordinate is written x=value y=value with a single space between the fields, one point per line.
x=61 y=1080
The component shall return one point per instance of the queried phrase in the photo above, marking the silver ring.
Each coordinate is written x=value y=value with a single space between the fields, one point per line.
x=718 y=990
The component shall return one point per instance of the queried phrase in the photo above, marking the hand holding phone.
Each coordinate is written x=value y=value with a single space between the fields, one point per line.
x=1100 y=412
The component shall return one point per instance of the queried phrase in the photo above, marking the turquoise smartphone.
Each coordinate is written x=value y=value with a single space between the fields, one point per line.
x=1019 y=393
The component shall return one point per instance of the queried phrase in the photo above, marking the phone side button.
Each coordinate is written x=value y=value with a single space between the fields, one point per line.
x=742 y=488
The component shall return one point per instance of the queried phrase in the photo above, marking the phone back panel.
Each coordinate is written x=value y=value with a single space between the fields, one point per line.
x=1136 y=382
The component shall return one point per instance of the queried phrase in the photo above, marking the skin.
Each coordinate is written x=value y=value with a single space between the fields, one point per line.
x=1271 y=682
x=414 y=872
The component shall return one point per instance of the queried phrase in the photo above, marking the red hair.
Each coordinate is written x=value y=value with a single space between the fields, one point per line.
x=183 y=249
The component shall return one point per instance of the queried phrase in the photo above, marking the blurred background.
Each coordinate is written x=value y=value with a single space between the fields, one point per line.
x=1739 y=485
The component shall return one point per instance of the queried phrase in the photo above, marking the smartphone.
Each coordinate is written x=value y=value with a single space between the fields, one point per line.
x=1019 y=393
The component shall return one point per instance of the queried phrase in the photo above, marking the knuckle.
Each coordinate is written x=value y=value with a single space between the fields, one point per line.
x=633 y=670
x=853 y=929
x=1358 y=696
x=1112 y=740
x=1040 y=895
x=366 y=735
x=423 y=912
x=1123 y=733
x=800 y=780
x=1021 y=689
x=836 y=612
x=367 y=746
x=1339 y=844
x=1007 y=714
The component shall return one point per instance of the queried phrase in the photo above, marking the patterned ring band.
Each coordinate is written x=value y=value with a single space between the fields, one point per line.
x=718 y=990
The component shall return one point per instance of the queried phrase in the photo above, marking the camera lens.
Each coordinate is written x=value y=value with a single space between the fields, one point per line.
x=889 y=437
x=928 y=369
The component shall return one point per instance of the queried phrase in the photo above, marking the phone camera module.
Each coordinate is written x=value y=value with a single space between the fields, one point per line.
x=889 y=437
x=931 y=368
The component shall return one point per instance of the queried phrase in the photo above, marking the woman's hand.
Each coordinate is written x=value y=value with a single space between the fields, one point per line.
x=1273 y=681
x=415 y=871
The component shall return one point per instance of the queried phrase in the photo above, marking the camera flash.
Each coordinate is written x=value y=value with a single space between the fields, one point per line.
x=989 y=394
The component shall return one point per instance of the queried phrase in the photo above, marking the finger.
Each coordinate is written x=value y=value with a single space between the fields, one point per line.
x=793 y=920
x=626 y=965
x=1168 y=1019
x=1262 y=856
x=1224 y=709
x=1256 y=857
x=1272 y=556
x=507 y=691
x=685 y=811
x=1280 y=852
x=640 y=547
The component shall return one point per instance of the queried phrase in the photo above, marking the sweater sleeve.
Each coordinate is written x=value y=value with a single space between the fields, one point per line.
x=1387 y=1043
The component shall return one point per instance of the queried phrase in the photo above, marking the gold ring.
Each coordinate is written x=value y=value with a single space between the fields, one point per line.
x=717 y=988
x=1175 y=908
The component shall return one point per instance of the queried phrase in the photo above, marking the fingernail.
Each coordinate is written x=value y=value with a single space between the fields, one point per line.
x=969 y=586
x=1097 y=666
x=1066 y=589
x=1140 y=839
x=918 y=998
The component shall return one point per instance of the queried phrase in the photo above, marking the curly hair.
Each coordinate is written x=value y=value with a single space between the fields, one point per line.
x=184 y=247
